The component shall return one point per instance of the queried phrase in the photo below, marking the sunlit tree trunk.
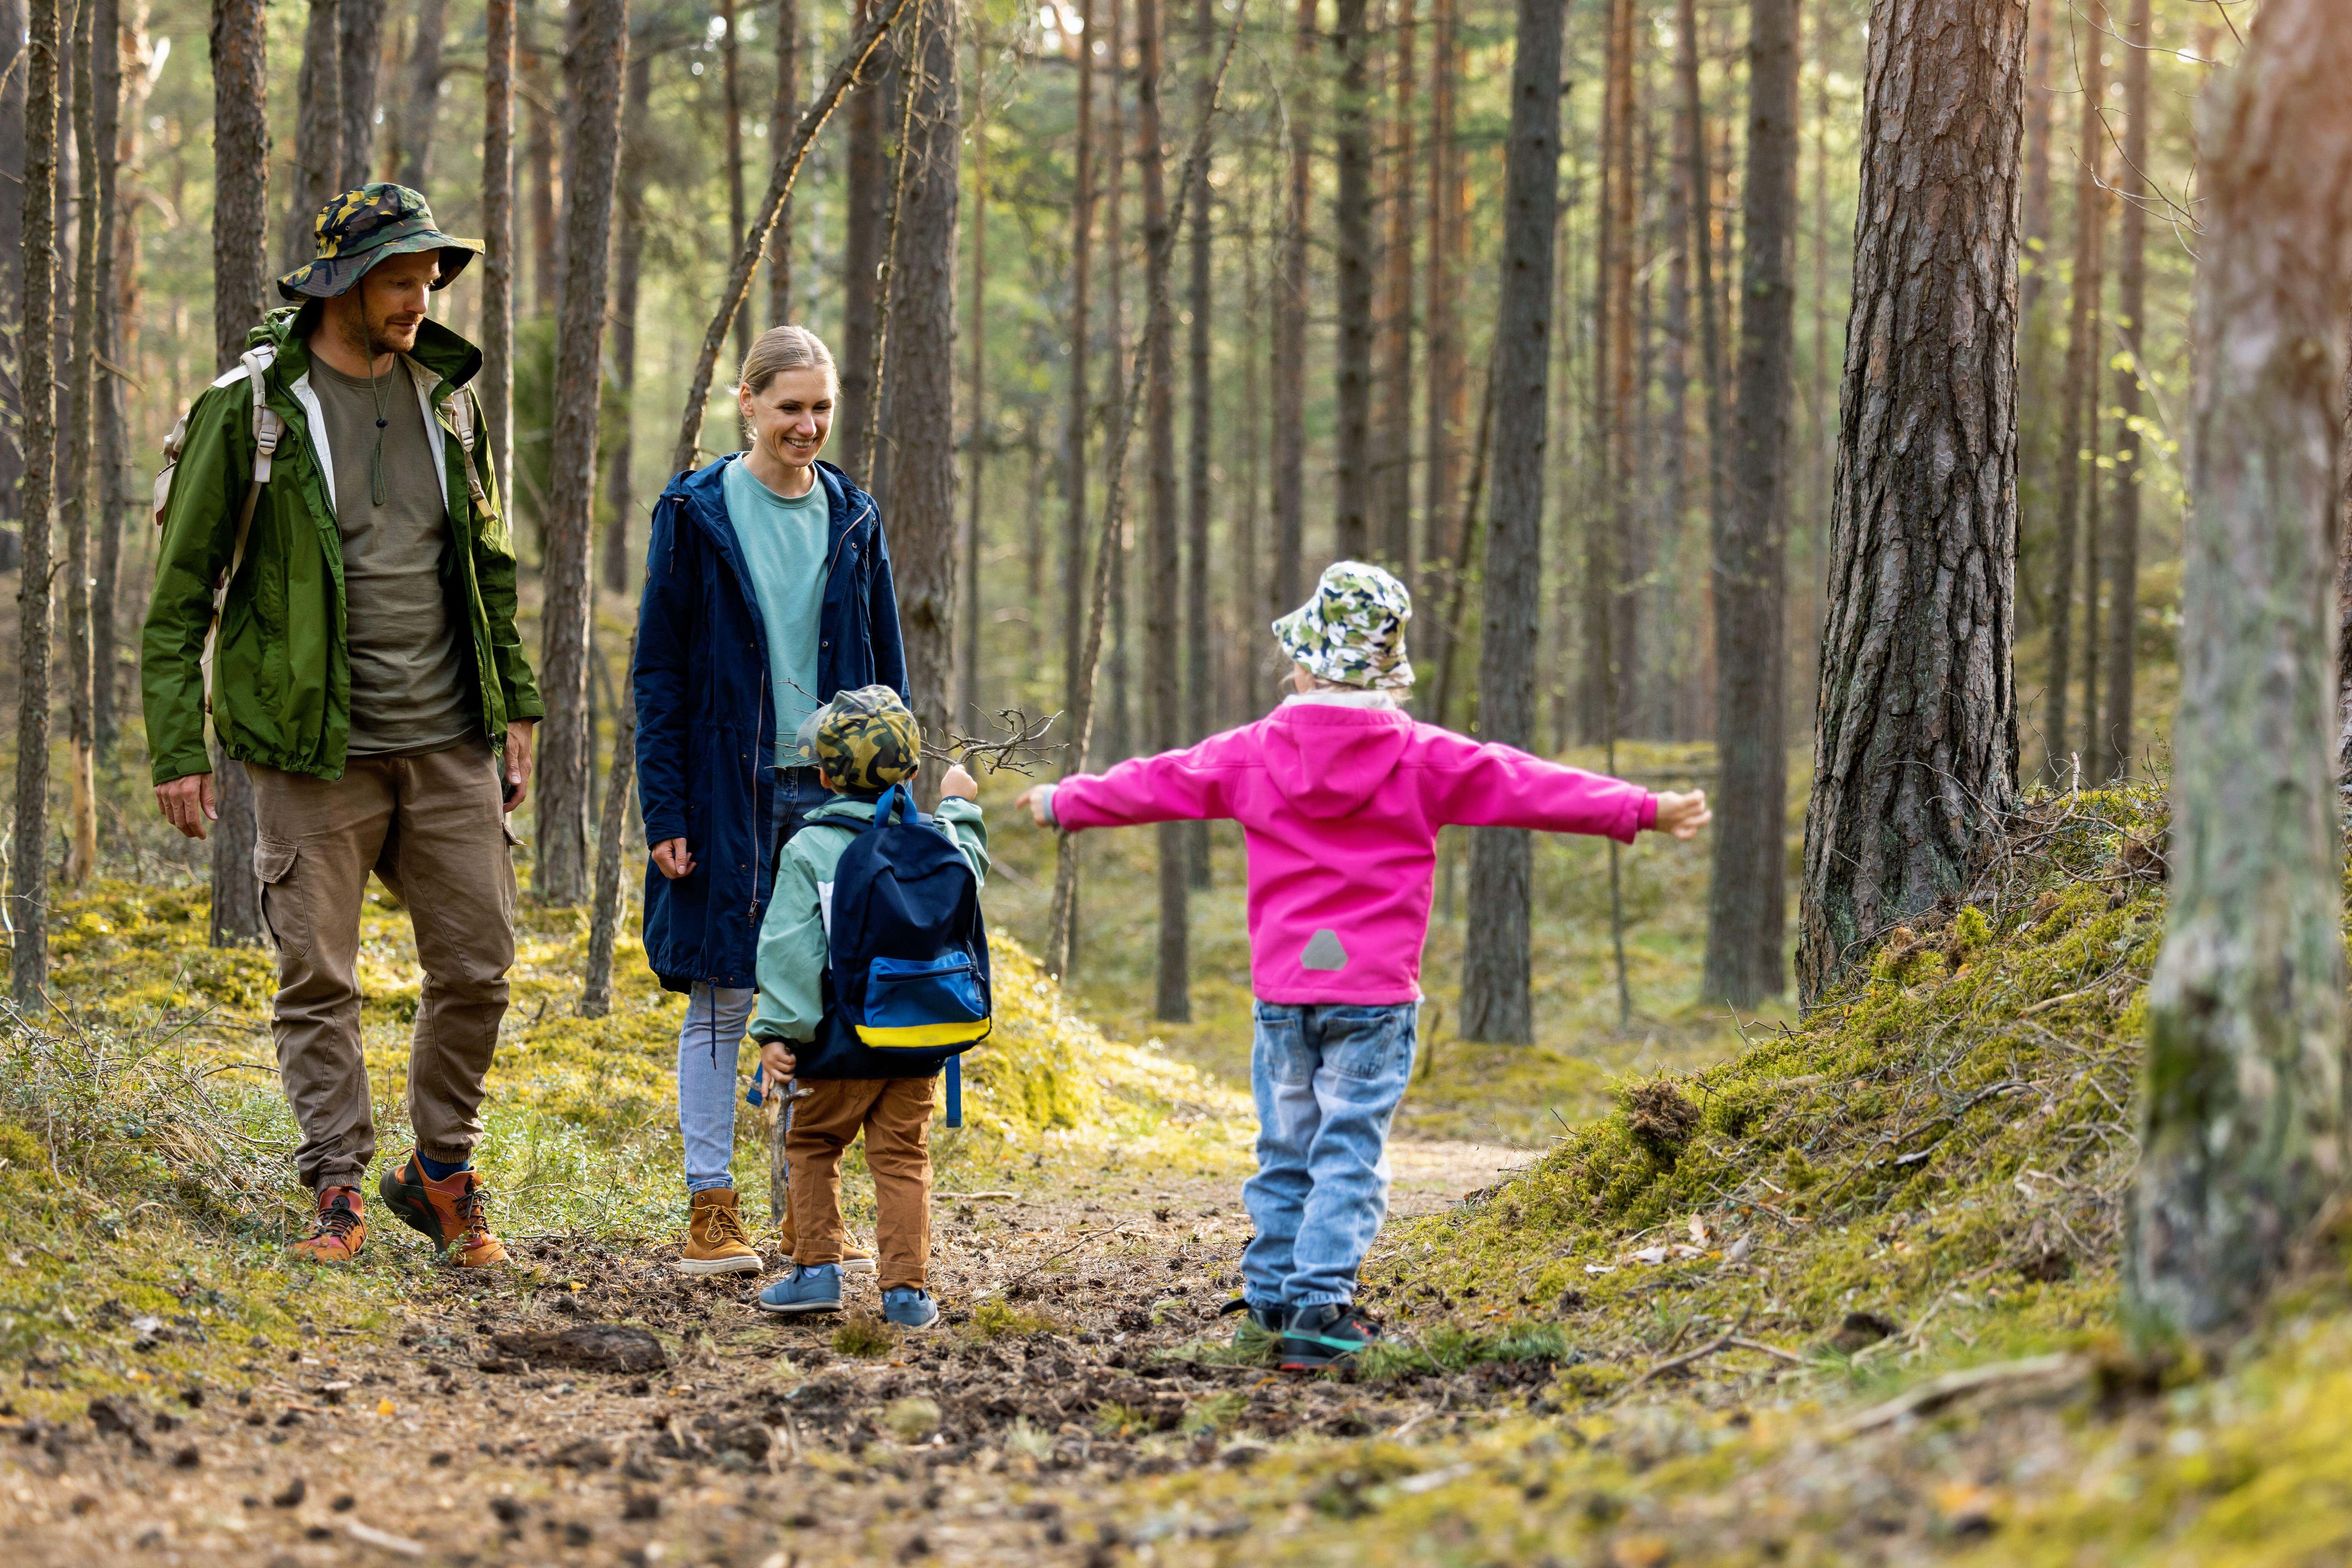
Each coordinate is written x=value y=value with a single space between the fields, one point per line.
x=12 y=278
x=783 y=113
x=1392 y=503
x=1442 y=415
x=1351 y=229
x=1916 y=747
x=499 y=239
x=2243 y=1138
x=731 y=82
x=968 y=603
x=116 y=125
x=2131 y=309
x=1495 y=1003
x=1081 y=340
x=566 y=756
x=620 y=565
x=240 y=292
x=29 y=860
x=74 y=482
x=1290 y=330
x=1199 y=683
x=2073 y=475
x=867 y=192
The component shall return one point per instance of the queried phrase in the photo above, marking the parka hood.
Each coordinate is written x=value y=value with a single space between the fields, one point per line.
x=1329 y=760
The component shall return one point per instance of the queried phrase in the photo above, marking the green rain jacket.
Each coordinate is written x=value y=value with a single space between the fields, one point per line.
x=794 y=945
x=281 y=672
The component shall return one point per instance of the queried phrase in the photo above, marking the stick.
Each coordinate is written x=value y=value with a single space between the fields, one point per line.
x=1937 y=1392
x=1728 y=1337
x=781 y=176
x=1456 y=593
x=1066 y=861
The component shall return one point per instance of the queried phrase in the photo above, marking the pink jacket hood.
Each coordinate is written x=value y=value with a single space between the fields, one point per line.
x=1341 y=808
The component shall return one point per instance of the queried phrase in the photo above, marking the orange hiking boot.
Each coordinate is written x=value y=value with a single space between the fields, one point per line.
x=337 y=1231
x=453 y=1212
x=716 y=1241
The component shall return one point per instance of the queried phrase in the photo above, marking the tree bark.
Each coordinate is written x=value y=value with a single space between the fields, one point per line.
x=2072 y=473
x=1073 y=429
x=540 y=153
x=1700 y=178
x=1601 y=581
x=116 y=129
x=1747 y=899
x=74 y=482
x=2131 y=306
x=499 y=238
x=604 y=914
x=1290 y=332
x=1352 y=229
x=868 y=187
x=1392 y=506
x=2243 y=1133
x=422 y=113
x=318 y=131
x=599 y=46
x=1199 y=683
x=730 y=79
x=1163 y=715
x=1443 y=413
x=1916 y=748
x=920 y=400
x=783 y=115
x=12 y=278
x=28 y=902
x=968 y=603
x=1496 y=1003
x=619 y=563
x=240 y=290
x=1118 y=732
x=361 y=27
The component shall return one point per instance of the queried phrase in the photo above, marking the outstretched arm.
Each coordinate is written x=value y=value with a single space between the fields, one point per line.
x=1501 y=787
x=1174 y=786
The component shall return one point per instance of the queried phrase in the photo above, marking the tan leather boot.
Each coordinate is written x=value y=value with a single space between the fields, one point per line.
x=716 y=1241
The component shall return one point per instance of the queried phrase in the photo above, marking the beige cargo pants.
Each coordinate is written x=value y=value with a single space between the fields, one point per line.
x=433 y=828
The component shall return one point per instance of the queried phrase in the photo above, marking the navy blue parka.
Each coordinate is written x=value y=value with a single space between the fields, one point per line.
x=706 y=719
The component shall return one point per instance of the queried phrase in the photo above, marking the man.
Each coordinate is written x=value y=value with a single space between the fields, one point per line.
x=369 y=679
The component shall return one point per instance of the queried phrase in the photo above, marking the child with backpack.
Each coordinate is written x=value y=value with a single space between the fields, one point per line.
x=873 y=971
x=1340 y=795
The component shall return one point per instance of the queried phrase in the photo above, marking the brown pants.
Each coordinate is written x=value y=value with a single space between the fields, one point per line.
x=434 y=829
x=895 y=1114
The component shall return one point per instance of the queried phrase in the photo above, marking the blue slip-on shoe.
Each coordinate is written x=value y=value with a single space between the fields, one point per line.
x=909 y=1308
x=817 y=1289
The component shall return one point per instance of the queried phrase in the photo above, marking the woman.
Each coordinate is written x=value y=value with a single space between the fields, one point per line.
x=767 y=590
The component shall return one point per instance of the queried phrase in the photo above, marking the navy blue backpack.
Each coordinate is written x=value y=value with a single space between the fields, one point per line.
x=907 y=982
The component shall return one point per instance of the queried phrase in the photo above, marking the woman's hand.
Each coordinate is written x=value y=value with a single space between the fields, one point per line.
x=776 y=1059
x=1682 y=814
x=958 y=785
x=672 y=860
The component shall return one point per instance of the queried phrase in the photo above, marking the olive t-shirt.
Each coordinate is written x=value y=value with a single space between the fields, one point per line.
x=408 y=667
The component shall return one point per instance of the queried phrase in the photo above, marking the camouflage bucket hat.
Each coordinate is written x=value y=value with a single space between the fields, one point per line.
x=360 y=228
x=1352 y=631
x=866 y=740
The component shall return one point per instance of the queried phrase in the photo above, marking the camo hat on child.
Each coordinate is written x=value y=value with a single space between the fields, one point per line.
x=1352 y=631
x=866 y=741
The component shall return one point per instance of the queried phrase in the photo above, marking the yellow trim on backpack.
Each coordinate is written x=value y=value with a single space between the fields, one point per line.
x=920 y=1037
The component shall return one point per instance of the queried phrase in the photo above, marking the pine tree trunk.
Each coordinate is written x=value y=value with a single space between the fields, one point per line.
x=318 y=130
x=566 y=776
x=920 y=399
x=619 y=563
x=74 y=483
x=540 y=153
x=115 y=128
x=1247 y=653
x=1200 y=684
x=1352 y=230
x=240 y=291
x=1747 y=900
x=2243 y=1139
x=2068 y=477
x=968 y=594
x=1596 y=584
x=1699 y=176
x=1163 y=713
x=867 y=189
x=1621 y=568
x=499 y=239
x=1118 y=732
x=730 y=82
x=421 y=115
x=1495 y=1003
x=1073 y=429
x=1442 y=415
x=361 y=51
x=783 y=115
x=1290 y=332
x=1916 y=749
x=2131 y=305
x=604 y=913
x=1393 y=493
x=12 y=279
x=29 y=860
x=2040 y=113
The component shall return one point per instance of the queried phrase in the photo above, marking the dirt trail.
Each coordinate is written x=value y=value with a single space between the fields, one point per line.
x=758 y=1444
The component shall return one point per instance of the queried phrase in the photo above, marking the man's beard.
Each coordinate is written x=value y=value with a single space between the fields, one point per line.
x=374 y=339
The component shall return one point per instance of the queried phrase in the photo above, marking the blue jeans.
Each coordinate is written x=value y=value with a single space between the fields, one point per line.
x=716 y=1017
x=1326 y=1079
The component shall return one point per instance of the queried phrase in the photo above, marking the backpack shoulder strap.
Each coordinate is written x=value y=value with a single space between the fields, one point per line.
x=268 y=429
x=462 y=412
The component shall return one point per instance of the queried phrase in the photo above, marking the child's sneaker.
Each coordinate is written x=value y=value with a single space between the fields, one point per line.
x=1324 y=1336
x=909 y=1308
x=813 y=1289
x=716 y=1241
x=1264 y=1323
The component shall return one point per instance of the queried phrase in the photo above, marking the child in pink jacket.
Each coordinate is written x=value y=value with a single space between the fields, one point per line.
x=1340 y=795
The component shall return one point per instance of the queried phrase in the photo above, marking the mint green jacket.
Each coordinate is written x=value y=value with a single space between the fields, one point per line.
x=792 y=946
x=281 y=673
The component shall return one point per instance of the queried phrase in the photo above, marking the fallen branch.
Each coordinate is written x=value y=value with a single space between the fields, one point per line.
x=1789 y=1356
x=1722 y=1341
x=1938 y=1392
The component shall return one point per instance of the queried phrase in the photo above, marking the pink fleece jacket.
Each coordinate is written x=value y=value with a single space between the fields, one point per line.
x=1341 y=808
